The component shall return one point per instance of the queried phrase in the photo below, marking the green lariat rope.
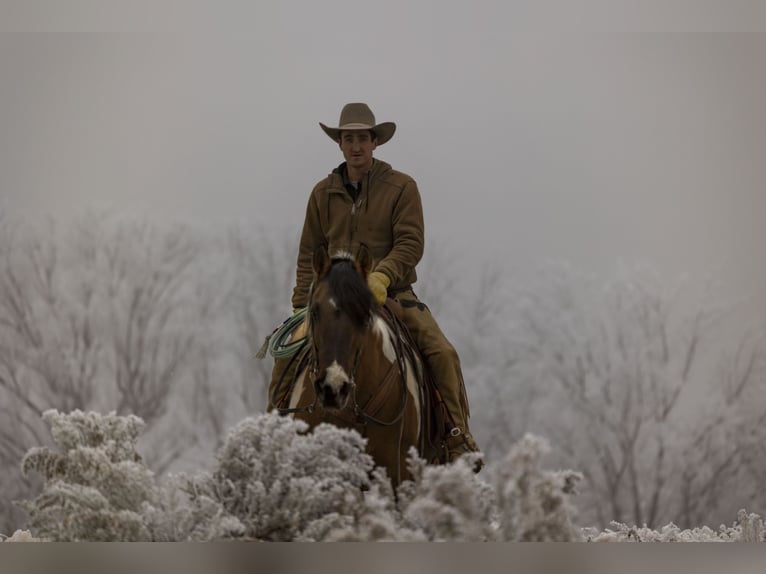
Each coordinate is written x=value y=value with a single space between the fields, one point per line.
x=275 y=343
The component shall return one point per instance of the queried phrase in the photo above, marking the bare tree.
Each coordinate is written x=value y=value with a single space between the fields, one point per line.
x=630 y=396
x=163 y=298
x=728 y=448
x=264 y=267
x=499 y=408
x=148 y=311
x=49 y=351
x=107 y=316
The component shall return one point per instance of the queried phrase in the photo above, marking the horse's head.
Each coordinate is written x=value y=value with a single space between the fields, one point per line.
x=340 y=310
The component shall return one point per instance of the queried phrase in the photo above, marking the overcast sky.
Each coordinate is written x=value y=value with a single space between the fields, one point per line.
x=591 y=144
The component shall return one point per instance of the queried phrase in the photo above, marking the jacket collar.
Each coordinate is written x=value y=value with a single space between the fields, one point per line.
x=339 y=175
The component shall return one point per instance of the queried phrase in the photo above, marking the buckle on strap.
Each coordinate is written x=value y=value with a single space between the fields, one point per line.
x=455 y=431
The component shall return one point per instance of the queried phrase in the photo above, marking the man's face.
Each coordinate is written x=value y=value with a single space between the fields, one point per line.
x=357 y=147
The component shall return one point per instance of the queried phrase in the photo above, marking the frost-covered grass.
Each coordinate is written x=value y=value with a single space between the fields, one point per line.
x=275 y=481
x=747 y=528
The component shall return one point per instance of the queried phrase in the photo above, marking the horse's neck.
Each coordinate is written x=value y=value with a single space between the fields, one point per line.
x=381 y=341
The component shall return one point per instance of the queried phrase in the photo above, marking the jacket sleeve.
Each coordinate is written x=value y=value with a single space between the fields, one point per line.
x=408 y=236
x=311 y=238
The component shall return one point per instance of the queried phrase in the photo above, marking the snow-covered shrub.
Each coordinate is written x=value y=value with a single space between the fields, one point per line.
x=95 y=483
x=20 y=536
x=274 y=480
x=183 y=512
x=447 y=503
x=534 y=504
x=750 y=527
x=747 y=528
x=281 y=481
x=375 y=519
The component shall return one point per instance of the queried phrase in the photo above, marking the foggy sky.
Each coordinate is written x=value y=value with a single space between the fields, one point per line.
x=590 y=144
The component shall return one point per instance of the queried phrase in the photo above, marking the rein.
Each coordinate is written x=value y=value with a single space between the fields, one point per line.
x=402 y=377
x=367 y=418
x=286 y=410
x=361 y=415
x=379 y=393
x=399 y=418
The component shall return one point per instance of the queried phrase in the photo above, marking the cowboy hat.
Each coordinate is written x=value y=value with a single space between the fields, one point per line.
x=360 y=117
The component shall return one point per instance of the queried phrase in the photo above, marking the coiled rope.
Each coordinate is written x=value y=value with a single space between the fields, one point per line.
x=276 y=344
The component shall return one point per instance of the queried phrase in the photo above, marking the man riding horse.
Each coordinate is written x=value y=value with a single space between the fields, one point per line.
x=366 y=202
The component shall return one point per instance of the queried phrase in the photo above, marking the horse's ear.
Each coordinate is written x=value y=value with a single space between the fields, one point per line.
x=364 y=260
x=321 y=261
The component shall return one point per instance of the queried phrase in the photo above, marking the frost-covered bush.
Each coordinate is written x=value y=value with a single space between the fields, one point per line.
x=281 y=481
x=447 y=502
x=275 y=480
x=95 y=483
x=97 y=488
x=20 y=536
x=183 y=512
x=375 y=519
x=534 y=504
x=748 y=527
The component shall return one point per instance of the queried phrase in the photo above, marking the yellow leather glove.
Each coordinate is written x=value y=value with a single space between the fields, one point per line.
x=378 y=283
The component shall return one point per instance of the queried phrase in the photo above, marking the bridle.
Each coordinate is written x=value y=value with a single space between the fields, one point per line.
x=360 y=417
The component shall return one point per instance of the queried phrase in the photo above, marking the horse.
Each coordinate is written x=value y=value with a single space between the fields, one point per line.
x=356 y=371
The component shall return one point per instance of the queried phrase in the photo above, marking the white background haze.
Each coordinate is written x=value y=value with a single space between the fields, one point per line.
x=594 y=134
x=588 y=132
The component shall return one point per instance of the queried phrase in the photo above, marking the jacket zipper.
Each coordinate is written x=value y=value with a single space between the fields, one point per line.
x=358 y=204
x=354 y=218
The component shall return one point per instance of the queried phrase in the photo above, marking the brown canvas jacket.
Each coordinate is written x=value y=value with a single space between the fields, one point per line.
x=387 y=217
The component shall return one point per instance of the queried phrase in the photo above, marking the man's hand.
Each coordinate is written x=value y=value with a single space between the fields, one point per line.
x=378 y=283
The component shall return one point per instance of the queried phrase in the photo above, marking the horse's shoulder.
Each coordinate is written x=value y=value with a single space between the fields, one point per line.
x=392 y=317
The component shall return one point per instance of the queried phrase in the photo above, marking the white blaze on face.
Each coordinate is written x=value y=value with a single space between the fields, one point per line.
x=336 y=376
x=380 y=327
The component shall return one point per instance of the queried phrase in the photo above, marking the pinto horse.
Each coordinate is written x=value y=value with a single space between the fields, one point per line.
x=356 y=373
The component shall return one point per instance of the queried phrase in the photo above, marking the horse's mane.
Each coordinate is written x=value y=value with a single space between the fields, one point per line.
x=350 y=291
